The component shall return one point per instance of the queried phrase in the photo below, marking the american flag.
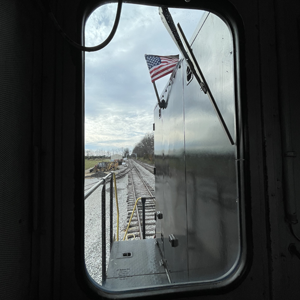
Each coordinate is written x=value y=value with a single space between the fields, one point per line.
x=159 y=66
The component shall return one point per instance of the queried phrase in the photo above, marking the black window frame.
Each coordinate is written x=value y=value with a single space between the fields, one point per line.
x=226 y=11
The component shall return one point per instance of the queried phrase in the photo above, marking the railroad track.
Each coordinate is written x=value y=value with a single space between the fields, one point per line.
x=119 y=175
x=122 y=173
x=146 y=166
x=140 y=186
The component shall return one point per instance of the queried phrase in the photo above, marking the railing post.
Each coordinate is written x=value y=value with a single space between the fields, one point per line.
x=111 y=211
x=103 y=232
x=144 y=218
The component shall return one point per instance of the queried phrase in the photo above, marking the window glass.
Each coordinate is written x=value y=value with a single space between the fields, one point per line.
x=191 y=232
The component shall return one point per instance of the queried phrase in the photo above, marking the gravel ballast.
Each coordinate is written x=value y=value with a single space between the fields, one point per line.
x=93 y=244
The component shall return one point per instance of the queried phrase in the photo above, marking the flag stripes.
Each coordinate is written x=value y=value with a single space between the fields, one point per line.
x=160 y=66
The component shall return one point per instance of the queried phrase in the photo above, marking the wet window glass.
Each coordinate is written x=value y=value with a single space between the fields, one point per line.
x=162 y=198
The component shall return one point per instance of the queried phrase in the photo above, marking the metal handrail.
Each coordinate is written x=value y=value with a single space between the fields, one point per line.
x=94 y=187
x=103 y=222
x=117 y=205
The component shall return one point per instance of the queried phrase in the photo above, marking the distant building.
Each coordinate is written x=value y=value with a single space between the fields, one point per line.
x=115 y=156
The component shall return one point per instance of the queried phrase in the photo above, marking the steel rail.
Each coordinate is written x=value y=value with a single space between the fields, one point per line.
x=145 y=184
x=146 y=166
x=134 y=209
x=138 y=186
x=122 y=173
x=137 y=210
x=152 y=197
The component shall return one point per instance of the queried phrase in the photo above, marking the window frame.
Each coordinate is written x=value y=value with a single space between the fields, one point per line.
x=229 y=15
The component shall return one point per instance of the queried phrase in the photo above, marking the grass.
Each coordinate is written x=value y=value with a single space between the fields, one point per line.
x=89 y=163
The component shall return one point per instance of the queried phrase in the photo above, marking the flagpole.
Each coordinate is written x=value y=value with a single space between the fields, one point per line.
x=160 y=66
x=154 y=85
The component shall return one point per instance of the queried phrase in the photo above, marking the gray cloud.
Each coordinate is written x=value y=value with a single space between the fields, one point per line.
x=119 y=96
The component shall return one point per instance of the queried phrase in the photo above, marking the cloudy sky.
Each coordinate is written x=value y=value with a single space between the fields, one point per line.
x=119 y=95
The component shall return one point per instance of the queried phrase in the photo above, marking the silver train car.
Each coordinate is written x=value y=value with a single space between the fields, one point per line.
x=198 y=192
x=198 y=176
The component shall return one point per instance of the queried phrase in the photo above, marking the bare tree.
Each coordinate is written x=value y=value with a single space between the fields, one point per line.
x=145 y=148
x=88 y=153
x=125 y=152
